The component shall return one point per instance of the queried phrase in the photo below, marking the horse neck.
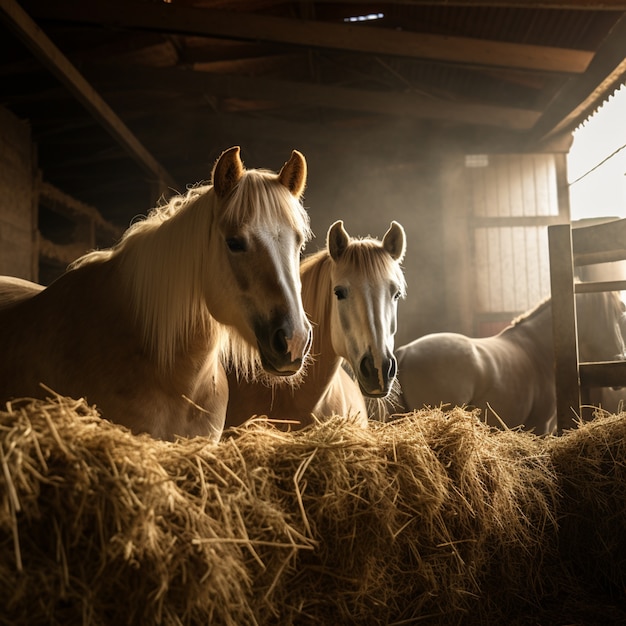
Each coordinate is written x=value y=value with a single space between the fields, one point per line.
x=533 y=331
x=598 y=324
x=317 y=302
x=162 y=274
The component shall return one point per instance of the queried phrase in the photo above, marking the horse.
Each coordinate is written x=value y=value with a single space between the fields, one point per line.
x=350 y=290
x=510 y=376
x=143 y=329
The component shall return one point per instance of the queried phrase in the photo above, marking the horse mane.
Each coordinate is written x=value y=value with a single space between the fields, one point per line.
x=164 y=258
x=595 y=310
x=531 y=313
x=315 y=273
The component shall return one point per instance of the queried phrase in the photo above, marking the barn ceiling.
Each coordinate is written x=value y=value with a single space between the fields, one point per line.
x=124 y=96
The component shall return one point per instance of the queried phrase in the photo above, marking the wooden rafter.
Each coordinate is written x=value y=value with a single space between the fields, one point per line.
x=578 y=5
x=579 y=98
x=49 y=55
x=290 y=93
x=171 y=18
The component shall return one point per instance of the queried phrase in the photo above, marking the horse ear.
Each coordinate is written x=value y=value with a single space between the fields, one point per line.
x=293 y=174
x=227 y=172
x=337 y=240
x=394 y=241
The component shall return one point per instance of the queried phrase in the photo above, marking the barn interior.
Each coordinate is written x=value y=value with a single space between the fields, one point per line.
x=453 y=118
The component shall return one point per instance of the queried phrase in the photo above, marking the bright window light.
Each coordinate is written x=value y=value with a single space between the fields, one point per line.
x=364 y=18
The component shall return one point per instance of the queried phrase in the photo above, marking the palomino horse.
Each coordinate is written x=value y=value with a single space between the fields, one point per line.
x=350 y=291
x=142 y=329
x=510 y=375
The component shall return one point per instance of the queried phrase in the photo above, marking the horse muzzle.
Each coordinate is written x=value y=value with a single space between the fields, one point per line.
x=283 y=350
x=376 y=382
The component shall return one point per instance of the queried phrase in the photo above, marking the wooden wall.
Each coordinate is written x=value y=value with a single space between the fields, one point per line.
x=18 y=214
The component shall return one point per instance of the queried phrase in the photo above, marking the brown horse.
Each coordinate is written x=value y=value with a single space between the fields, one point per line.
x=510 y=376
x=142 y=329
x=350 y=291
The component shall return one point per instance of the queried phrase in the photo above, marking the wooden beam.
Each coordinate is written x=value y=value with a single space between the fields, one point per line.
x=50 y=56
x=561 y=5
x=578 y=98
x=289 y=93
x=172 y=18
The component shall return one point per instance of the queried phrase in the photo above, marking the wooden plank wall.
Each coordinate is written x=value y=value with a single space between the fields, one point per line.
x=18 y=223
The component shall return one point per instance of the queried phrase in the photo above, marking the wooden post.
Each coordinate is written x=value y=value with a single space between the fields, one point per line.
x=564 y=329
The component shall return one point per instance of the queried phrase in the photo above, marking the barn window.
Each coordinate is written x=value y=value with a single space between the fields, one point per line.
x=597 y=162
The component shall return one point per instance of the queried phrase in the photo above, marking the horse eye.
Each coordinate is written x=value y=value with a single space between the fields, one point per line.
x=341 y=293
x=396 y=295
x=236 y=244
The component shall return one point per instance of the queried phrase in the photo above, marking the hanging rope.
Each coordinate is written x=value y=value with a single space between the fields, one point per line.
x=595 y=167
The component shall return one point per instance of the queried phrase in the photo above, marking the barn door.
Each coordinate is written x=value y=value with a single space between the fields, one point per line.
x=513 y=198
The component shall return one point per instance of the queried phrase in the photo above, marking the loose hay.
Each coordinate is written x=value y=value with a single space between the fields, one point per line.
x=433 y=518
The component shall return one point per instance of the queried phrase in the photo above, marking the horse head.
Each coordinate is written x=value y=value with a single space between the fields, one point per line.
x=261 y=229
x=367 y=282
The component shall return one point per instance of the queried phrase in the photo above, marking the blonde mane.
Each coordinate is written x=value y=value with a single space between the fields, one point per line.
x=315 y=272
x=531 y=313
x=164 y=260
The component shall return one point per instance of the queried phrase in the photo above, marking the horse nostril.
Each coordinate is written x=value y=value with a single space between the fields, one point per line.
x=393 y=368
x=279 y=342
x=366 y=366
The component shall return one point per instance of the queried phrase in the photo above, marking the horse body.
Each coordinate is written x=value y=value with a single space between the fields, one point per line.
x=92 y=349
x=142 y=330
x=350 y=292
x=510 y=376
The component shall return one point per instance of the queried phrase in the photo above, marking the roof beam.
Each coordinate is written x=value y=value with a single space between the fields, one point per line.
x=578 y=98
x=289 y=93
x=51 y=57
x=172 y=18
x=578 y=5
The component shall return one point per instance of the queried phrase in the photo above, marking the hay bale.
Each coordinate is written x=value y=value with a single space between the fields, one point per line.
x=590 y=461
x=433 y=518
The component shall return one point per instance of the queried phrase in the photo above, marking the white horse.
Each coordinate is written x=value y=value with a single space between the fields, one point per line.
x=510 y=376
x=142 y=329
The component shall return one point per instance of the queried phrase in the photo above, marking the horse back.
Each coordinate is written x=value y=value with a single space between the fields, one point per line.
x=78 y=338
x=438 y=368
x=14 y=290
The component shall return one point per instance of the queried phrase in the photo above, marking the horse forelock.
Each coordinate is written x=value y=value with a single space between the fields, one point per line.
x=260 y=198
x=373 y=262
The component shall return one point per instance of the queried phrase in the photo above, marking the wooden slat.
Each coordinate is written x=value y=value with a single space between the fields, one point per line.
x=601 y=285
x=564 y=325
x=43 y=48
x=171 y=18
x=605 y=374
x=60 y=253
x=600 y=243
x=63 y=203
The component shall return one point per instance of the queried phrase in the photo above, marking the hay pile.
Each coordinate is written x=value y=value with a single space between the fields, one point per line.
x=433 y=518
